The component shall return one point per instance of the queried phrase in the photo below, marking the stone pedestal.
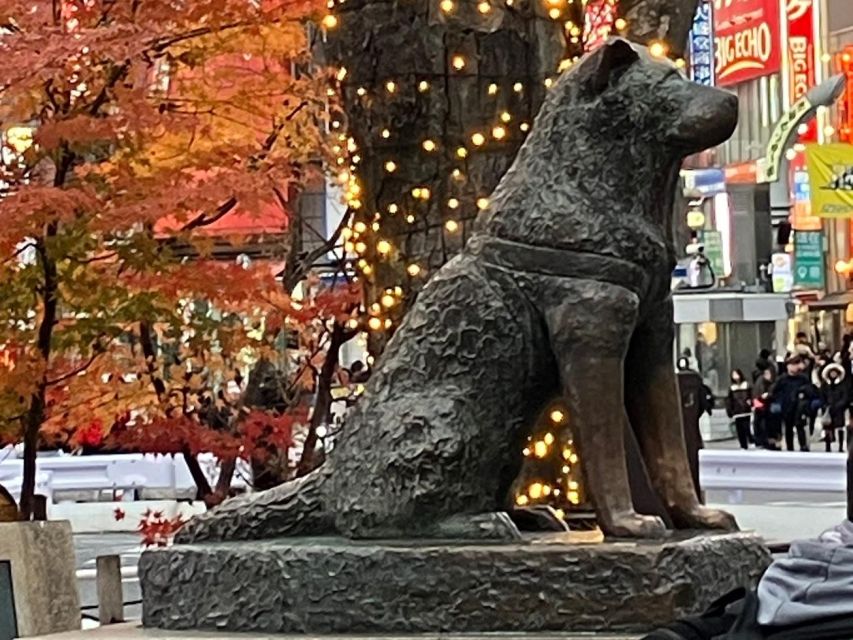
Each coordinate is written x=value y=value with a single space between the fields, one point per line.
x=44 y=585
x=331 y=585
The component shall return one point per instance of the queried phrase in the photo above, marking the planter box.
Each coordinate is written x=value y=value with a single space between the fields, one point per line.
x=44 y=586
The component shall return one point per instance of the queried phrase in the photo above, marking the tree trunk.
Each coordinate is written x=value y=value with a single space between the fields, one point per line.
x=34 y=417
x=323 y=403
x=418 y=48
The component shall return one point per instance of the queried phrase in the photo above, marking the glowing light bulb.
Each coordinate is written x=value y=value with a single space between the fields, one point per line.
x=549 y=82
x=505 y=116
x=388 y=323
x=574 y=497
x=393 y=208
x=375 y=226
x=428 y=145
x=360 y=227
x=790 y=154
x=620 y=24
x=482 y=203
x=374 y=323
x=390 y=86
x=493 y=89
x=342 y=73
x=499 y=132
x=457 y=62
x=423 y=86
x=554 y=13
x=549 y=439
x=457 y=174
x=349 y=247
x=447 y=5
x=566 y=468
x=413 y=270
x=390 y=166
x=658 y=49
x=330 y=21
x=525 y=127
x=478 y=139
x=388 y=300
x=462 y=152
x=386 y=134
x=361 y=91
x=522 y=501
x=484 y=7
x=453 y=203
x=557 y=416
x=410 y=218
x=540 y=449
x=518 y=87
x=535 y=491
x=360 y=247
x=452 y=226
x=383 y=247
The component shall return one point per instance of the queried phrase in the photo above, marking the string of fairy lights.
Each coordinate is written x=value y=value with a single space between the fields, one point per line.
x=369 y=239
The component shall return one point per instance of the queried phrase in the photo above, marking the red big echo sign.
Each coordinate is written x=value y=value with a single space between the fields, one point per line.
x=746 y=40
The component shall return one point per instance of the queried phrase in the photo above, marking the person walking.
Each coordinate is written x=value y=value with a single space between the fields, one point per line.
x=762 y=364
x=764 y=424
x=792 y=399
x=836 y=397
x=739 y=406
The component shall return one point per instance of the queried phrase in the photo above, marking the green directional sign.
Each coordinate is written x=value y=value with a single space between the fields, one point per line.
x=713 y=241
x=808 y=260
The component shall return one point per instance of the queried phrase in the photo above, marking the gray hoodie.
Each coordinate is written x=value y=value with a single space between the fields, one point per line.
x=814 y=581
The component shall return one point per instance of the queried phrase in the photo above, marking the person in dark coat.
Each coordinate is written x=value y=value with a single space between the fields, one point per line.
x=836 y=397
x=762 y=364
x=766 y=426
x=792 y=397
x=739 y=406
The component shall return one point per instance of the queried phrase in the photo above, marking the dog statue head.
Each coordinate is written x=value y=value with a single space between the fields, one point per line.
x=631 y=88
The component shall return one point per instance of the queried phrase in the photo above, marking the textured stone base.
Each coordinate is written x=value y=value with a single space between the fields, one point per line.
x=44 y=582
x=329 y=585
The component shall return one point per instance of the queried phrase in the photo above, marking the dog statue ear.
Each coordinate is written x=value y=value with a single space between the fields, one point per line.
x=612 y=59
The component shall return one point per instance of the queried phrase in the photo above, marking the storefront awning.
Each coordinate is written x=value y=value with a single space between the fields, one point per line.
x=832 y=302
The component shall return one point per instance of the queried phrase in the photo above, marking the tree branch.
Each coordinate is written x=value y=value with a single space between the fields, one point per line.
x=98 y=350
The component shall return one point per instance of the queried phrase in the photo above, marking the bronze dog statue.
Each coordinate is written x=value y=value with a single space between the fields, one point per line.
x=565 y=288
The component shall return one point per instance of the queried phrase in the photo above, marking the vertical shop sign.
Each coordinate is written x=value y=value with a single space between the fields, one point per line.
x=599 y=17
x=713 y=241
x=801 y=213
x=808 y=260
x=801 y=55
x=782 y=272
x=746 y=40
x=702 y=46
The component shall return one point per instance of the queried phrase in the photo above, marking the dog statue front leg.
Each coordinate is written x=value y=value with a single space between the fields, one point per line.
x=589 y=349
x=655 y=413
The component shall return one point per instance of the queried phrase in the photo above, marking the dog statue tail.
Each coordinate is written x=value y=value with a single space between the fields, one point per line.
x=295 y=508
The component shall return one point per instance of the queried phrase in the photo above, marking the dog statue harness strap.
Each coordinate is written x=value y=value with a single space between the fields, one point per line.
x=569 y=263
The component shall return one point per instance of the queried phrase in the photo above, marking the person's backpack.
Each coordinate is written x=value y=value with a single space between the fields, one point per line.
x=735 y=617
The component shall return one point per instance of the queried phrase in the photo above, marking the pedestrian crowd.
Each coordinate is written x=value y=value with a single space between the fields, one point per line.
x=787 y=401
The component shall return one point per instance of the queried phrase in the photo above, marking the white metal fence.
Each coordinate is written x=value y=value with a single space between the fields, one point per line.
x=736 y=471
x=117 y=472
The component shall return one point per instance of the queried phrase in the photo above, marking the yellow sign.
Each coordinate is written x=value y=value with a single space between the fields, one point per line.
x=830 y=168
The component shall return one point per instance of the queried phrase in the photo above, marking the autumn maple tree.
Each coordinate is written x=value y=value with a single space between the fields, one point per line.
x=129 y=128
